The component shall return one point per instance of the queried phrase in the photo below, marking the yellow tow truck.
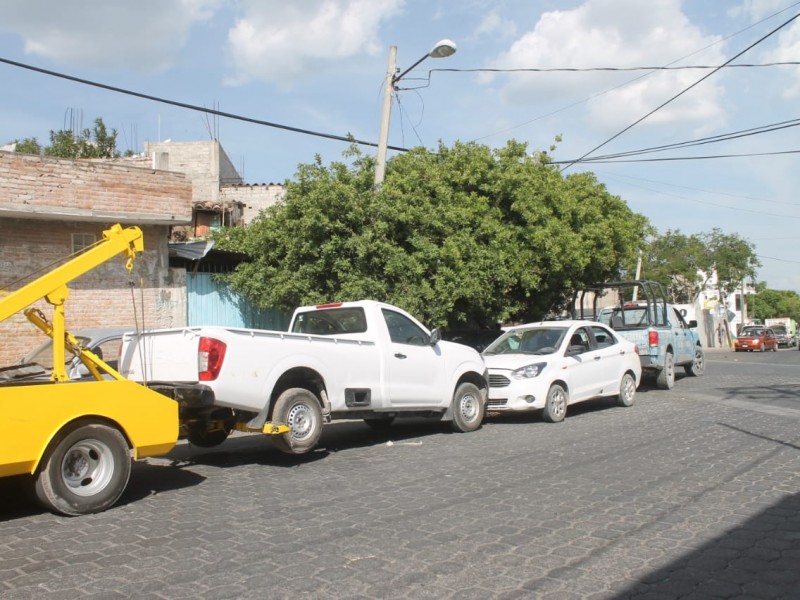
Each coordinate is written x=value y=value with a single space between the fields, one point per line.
x=75 y=440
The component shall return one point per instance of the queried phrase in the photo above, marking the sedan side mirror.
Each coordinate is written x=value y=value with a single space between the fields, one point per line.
x=436 y=337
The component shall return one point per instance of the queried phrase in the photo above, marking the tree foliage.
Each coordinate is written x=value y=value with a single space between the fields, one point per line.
x=96 y=142
x=684 y=265
x=769 y=304
x=27 y=146
x=462 y=236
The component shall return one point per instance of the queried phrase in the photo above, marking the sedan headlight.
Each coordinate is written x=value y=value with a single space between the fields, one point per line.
x=528 y=371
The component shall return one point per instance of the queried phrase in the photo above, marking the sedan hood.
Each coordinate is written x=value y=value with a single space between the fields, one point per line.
x=515 y=361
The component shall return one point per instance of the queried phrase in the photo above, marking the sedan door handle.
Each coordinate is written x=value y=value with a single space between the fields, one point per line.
x=597 y=358
x=400 y=355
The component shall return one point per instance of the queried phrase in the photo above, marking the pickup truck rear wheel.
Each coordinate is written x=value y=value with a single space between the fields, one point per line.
x=85 y=470
x=666 y=376
x=468 y=408
x=300 y=410
x=698 y=366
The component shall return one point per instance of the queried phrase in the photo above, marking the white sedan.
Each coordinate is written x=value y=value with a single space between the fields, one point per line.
x=549 y=365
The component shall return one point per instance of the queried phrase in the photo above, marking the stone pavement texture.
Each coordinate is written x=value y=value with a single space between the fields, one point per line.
x=687 y=494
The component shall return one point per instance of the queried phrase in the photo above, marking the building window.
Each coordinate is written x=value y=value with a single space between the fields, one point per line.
x=82 y=241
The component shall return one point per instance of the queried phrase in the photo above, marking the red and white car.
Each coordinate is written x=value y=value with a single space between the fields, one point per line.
x=549 y=365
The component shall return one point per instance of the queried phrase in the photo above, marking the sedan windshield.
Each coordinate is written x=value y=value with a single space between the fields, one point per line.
x=542 y=340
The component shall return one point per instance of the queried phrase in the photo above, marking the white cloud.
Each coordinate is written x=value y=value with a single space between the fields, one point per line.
x=143 y=35
x=616 y=33
x=282 y=41
x=787 y=50
x=493 y=24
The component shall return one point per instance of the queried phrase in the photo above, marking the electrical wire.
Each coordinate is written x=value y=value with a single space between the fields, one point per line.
x=610 y=69
x=218 y=113
x=702 y=141
x=583 y=160
x=682 y=92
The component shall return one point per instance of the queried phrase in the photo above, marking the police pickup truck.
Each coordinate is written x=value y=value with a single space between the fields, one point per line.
x=638 y=311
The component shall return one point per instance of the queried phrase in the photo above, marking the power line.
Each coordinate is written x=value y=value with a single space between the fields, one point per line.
x=611 y=69
x=723 y=137
x=682 y=92
x=194 y=107
x=583 y=159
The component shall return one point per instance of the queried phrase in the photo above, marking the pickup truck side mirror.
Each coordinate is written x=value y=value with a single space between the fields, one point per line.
x=436 y=337
x=692 y=324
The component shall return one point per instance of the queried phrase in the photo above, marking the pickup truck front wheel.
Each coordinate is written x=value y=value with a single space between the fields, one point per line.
x=300 y=410
x=698 y=366
x=468 y=408
x=84 y=471
x=666 y=376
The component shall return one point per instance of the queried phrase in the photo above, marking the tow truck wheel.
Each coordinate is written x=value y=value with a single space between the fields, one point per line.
x=84 y=471
x=300 y=410
x=468 y=408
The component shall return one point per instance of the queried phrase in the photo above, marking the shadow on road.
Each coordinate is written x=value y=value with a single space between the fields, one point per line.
x=336 y=437
x=755 y=559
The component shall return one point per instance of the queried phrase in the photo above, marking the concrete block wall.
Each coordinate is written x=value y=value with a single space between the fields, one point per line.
x=102 y=297
x=254 y=198
x=205 y=164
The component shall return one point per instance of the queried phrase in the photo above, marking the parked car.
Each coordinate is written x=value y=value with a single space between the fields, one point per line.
x=756 y=339
x=785 y=339
x=105 y=342
x=549 y=365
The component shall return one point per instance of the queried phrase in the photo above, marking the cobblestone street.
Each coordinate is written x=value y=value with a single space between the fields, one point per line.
x=693 y=492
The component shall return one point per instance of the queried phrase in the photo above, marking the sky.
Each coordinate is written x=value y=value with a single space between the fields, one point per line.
x=527 y=70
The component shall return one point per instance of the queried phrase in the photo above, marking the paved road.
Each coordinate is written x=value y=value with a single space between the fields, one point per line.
x=692 y=493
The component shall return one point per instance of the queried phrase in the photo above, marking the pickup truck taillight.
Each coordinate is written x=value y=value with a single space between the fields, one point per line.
x=652 y=339
x=210 y=355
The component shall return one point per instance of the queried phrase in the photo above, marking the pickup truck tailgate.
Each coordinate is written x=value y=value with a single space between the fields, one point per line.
x=161 y=355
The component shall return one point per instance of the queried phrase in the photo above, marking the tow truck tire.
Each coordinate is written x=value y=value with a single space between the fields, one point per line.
x=468 y=408
x=698 y=366
x=85 y=470
x=666 y=376
x=300 y=410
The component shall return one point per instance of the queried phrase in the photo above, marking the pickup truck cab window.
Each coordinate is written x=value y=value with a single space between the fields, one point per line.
x=403 y=330
x=331 y=321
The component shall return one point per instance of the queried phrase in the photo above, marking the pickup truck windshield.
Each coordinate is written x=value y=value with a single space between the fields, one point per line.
x=331 y=321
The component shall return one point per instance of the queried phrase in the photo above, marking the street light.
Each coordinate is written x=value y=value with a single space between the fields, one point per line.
x=442 y=49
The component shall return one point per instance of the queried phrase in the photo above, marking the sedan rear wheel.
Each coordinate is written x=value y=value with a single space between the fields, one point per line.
x=627 y=390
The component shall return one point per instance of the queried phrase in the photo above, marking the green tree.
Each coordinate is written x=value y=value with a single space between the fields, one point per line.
x=769 y=304
x=27 y=146
x=97 y=142
x=462 y=236
x=684 y=265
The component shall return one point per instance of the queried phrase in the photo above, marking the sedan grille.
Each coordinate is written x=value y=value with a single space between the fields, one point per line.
x=495 y=403
x=498 y=381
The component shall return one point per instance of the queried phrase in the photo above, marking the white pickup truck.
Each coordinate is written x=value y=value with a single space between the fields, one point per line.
x=355 y=360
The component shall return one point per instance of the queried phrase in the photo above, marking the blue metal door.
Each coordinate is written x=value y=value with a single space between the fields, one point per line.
x=212 y=303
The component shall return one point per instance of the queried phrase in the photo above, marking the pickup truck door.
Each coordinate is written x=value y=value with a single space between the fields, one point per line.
x=682 y=334
x=414 y=369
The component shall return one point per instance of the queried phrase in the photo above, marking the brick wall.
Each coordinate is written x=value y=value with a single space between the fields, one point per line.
x=45 y=201
x=54 y=188
x=100 y=298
